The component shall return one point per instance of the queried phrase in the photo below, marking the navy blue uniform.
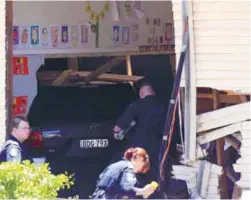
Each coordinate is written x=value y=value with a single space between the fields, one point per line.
x=117 y=181
x=149 y=115
x=13 y=150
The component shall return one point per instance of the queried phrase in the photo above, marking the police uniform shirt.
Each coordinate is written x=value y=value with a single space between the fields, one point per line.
x=149 y=116
x=12 y=150
x=118 y=180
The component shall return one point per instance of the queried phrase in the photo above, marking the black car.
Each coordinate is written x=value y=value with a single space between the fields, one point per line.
x=76 y=125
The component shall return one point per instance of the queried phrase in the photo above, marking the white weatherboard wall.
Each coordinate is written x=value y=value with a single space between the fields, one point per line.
x=3 y=112
x=221 y=32
x=46 y=13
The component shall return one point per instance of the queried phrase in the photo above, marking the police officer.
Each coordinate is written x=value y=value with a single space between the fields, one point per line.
x=119 y=180
x=14 y=149
x=149 y=115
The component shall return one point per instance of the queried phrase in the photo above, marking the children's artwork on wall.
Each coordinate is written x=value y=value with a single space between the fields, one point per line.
x=135 y=32
x=125 y=35
x=74 y=35
x=84 y=34
x=20 y=105
x=168 y=32
x=64 y=34
x=20 y=65
x=34 y=35
x=54 y=35
x=116 y=33
x=44 y=36
x=15 y=35
x=24 y=33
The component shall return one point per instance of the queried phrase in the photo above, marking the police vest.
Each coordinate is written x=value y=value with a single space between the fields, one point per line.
x=5 y=147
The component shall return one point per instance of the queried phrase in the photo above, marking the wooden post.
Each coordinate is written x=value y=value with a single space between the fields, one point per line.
x=220 y=151
x=129 y=67
x=9 y=73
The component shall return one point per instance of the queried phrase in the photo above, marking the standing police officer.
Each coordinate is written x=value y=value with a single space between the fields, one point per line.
x=149 y=115
x=14 y=149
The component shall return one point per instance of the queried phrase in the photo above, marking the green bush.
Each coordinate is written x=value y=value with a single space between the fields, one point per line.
x=29 y=181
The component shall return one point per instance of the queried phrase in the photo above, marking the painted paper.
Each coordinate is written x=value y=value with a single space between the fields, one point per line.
x=24 y=35
x=54 y=35
x=168 y=32
x=44 y=36
x=74 y=35
x=15 y=35
x=64 y=34
x=116 y=33
x=84 y=34
x=125 y=35
x=20 y=105
x=34 y=35
x=20 y=65
x=135 y=32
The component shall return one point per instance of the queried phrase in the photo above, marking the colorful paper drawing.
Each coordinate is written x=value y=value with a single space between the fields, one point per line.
x=168 y=32
x=44 y=36
x=64 y=34
x=116 y=33
x=24 y=35
x=20 y=65
x=34 y=35
x=135 y=32
x=15 y=35
x=74 y=35
x=125 y=35
x=20 y=105
x=54 y=35
x=84 y=34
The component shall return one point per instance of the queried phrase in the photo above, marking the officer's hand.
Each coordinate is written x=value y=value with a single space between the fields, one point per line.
x=116 y=129
x=148 y=190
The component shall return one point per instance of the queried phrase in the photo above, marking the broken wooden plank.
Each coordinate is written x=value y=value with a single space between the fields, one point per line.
x=104 y=68
x=112 y=77
x=62 y=78
x=242 y=168
x=200 y=153
x=204 y=138
x=233 y=141
x=223 y=117
x=246 y=126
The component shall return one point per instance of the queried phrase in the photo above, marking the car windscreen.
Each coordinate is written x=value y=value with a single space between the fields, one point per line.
x=80 y=104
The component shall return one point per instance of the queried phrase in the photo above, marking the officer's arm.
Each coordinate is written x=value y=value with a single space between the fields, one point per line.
x=13 y=153
x=128 y=116
x=128 y=182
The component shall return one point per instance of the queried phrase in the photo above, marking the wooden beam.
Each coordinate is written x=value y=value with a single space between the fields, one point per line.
x=223 y=117
x=104 y=68
x=190 y=82
x=210 y=136
x=112 y=77
x=220 y=151
x=49 y=76
x=129 y=67
x=62 y=78
x=9 y=68
x=233 y=141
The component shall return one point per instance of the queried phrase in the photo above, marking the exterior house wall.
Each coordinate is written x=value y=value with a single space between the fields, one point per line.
x=221 y=44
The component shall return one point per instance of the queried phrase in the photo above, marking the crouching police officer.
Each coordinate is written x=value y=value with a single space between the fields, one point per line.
x=13 y=149
x=119 y=180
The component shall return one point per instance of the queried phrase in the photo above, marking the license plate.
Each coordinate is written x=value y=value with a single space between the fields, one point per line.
x=97 y=143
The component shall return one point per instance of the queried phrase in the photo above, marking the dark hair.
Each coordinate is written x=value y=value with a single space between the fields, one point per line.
x=17 y=120
x=133 y=153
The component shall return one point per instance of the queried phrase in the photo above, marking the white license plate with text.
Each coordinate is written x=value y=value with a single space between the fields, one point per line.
x=97 y=143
